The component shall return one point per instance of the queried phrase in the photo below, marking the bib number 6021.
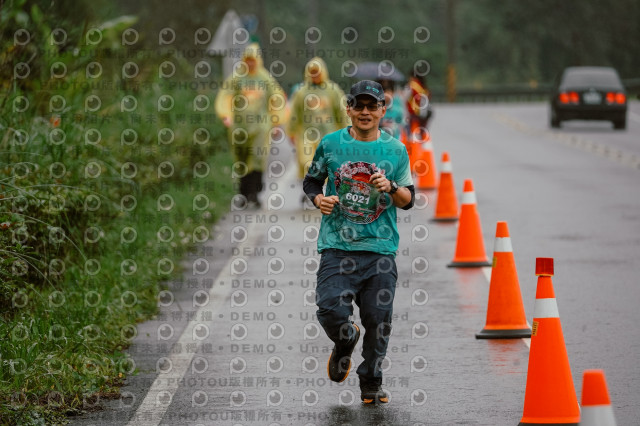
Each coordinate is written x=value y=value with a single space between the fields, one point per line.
x=357 y=198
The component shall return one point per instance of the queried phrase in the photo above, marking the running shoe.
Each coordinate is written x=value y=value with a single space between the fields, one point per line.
x=339 y=362
x=371 y=392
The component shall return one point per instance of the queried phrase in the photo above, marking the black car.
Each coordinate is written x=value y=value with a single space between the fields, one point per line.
x=589 y=93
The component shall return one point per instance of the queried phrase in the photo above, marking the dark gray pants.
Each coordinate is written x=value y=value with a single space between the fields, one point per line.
x=369 y=279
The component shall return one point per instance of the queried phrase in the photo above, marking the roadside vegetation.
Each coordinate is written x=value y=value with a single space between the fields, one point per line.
x=98 y=204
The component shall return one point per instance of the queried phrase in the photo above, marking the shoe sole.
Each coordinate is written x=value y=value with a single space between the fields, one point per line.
x=382 y=400
x=348 y=369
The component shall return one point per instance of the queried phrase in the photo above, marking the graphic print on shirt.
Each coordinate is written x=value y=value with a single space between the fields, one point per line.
x=360 y=201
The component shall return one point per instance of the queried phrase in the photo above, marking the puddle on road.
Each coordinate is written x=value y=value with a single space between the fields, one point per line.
x=366 y=415
x=507 y=356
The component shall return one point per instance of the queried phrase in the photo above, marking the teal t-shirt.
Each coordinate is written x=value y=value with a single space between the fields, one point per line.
x=365 y=219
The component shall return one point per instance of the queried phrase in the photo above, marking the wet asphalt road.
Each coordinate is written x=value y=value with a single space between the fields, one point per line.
x=237 y=342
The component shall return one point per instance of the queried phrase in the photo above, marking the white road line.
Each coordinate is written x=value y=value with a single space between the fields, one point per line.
x=152 y=409
x=487 y=274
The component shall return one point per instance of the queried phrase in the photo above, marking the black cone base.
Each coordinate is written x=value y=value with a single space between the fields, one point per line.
x=548 y=424
x=468 y=264
x=444 y=219
x=504 y=334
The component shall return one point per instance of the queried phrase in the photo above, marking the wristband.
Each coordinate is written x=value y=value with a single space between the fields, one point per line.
x=394 y=187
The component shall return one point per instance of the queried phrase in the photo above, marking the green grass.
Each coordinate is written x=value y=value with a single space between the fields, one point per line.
x=64 y=345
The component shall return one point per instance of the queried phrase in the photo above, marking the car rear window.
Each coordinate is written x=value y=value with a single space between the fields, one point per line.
x=591 y=78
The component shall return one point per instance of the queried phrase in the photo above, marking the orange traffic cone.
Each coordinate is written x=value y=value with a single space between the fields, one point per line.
x=596 y=406
x=550 y=397
x=413 y=150
x=447 y=202
x=413 y=145
x=425 y=165
x=469 y=244
x=403 y=136
x=505 y=311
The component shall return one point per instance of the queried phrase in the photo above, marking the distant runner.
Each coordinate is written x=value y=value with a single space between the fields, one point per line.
x=395 y=119
x=368 y=177
x=316 y=109
x=419 y=102
x=250 y=104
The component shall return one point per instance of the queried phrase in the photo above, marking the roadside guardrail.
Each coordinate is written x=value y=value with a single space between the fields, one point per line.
x=516 y=93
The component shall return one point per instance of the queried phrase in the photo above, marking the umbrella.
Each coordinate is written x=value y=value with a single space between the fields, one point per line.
x=384 y=70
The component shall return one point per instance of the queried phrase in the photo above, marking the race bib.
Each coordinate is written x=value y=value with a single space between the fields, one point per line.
x=360 y=201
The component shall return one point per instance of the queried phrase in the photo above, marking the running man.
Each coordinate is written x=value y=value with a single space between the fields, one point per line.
x=368 y=177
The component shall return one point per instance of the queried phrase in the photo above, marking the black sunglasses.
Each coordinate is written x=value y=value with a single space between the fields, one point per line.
x=371 y=106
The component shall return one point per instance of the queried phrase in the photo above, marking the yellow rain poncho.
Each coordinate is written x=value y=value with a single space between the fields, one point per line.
x=251 y=103
x=316 y=110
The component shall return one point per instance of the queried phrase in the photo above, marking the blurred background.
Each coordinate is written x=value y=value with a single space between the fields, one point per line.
x=489 y=43
x=108 y=137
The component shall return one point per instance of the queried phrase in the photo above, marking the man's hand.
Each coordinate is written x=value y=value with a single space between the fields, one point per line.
x=381 y=183
x=400 y=198
x=226 y=121
x=326 y=203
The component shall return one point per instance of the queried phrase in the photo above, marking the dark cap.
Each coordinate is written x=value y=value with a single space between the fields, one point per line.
x=366 y=87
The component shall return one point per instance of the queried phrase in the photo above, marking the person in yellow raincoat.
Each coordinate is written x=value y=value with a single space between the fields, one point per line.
x=316 y=110
x=250 y=103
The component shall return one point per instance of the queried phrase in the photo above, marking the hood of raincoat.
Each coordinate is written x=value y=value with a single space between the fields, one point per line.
x=253 y=51
x=313 y=67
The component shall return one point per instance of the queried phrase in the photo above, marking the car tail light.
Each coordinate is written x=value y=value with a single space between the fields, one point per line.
x=569 y=97
x=616 y=98
x=574 y=98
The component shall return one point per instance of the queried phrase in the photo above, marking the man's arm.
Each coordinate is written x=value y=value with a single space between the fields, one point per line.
x=405 y=182
x=316 y=175
x=224 y=100
x=403 y=197
x=312 y=187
